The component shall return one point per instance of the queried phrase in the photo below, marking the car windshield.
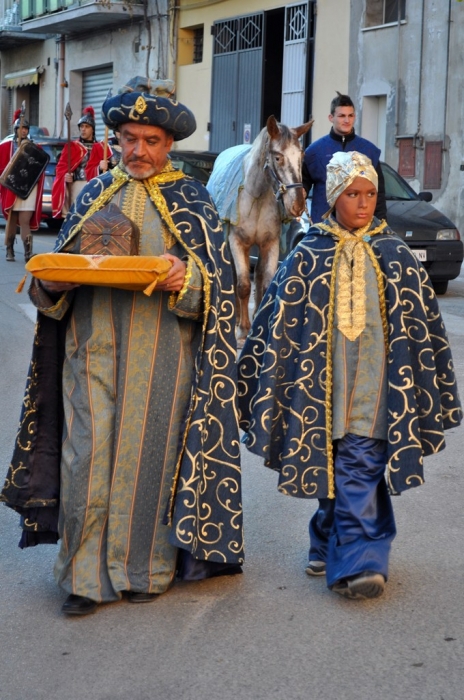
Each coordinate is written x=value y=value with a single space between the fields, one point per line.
x=395 y=186
x=200 y=169
x=53 y=150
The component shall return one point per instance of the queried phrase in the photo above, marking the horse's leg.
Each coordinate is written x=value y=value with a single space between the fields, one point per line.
x=265 y=269
x=241 y=259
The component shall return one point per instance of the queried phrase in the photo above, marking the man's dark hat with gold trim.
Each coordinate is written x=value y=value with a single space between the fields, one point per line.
x=149 y=102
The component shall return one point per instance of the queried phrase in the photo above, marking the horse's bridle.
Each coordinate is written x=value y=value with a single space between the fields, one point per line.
x=281 y=186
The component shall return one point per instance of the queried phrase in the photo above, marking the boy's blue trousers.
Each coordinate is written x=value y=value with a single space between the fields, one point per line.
x=353 y=532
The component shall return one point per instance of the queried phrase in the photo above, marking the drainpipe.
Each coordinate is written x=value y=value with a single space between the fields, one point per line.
x=445 y=112
x=61 y=85
x=421 y=58
x=173 y=11
x=398 y=68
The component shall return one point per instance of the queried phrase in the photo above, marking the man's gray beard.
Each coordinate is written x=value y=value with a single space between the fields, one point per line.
x=137 y=176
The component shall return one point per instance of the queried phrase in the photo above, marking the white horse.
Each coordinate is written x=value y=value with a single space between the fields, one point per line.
x=264 y=189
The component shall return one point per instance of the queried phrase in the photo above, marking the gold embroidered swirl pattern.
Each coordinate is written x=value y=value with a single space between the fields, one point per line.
x=169 y=174
x=286 y=367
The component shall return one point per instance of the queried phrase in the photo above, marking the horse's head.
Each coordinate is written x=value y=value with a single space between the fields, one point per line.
x=284 y=164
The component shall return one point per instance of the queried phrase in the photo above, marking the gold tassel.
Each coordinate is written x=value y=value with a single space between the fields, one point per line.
x=149 y=290
x=20 y=286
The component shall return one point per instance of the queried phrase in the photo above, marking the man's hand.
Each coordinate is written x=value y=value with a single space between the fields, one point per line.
x=55 y=287
x=103 y=166
x=176 y=275
x=68 y=177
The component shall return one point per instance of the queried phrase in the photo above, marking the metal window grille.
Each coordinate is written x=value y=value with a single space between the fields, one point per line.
x=239 y=34
x=10 y=14
x=198 y=33
x=296 y=27
x=225 y=37
x=250 y=32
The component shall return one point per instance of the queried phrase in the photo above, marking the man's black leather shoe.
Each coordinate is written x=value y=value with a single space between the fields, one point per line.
x=78 y=605
x=135 y=597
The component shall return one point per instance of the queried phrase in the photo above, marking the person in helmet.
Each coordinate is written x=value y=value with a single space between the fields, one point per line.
x=25 y=213
x=79 y=162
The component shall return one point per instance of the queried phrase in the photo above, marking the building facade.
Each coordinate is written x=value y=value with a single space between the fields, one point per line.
x=55 y=52
x=406 y=60
x=235 y=62
x=238 y=62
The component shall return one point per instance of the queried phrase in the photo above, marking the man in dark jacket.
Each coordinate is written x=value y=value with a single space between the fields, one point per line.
x=342 y=137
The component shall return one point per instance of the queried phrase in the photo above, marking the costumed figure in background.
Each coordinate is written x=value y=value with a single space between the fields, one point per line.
x=346 y=380
x=25 y=213
x=149 y=455
x=79 y=162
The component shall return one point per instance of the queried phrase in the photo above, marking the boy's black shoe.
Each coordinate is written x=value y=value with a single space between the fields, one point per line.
x=315 y=568
x=368 y=584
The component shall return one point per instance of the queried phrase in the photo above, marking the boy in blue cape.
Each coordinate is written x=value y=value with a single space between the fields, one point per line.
x=346 y=380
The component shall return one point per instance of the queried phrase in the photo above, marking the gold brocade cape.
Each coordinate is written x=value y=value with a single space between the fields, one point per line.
x=205 y=509
x=285 y=369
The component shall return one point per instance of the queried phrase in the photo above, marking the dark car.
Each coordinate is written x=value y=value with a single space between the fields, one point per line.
x=195 y=163
x=198 y=164
x=53 y=147
x=35 y=133
x=432 y=237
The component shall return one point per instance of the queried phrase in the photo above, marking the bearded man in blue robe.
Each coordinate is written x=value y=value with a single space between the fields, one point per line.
x=143 y=436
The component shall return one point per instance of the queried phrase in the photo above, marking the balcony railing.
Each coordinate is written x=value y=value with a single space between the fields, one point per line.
x=11 y=31
x=10 y=15
x=36 y=8
x=71 y=16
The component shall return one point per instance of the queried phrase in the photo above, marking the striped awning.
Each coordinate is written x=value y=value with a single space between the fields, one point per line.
x=30 y=76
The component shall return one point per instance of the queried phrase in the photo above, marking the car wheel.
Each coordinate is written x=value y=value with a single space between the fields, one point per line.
x=54 y=224
x=440 y=286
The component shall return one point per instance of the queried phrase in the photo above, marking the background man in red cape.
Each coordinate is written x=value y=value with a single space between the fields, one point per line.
x=25 y=213
x=79 y=162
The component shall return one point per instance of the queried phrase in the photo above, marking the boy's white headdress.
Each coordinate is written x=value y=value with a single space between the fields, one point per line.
x=343 y=168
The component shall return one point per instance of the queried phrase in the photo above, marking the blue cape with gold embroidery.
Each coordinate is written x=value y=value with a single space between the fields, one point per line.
x=205 y=509
x=285 y=368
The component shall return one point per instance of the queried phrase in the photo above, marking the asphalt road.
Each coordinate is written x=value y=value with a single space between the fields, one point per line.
x=269 y=633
